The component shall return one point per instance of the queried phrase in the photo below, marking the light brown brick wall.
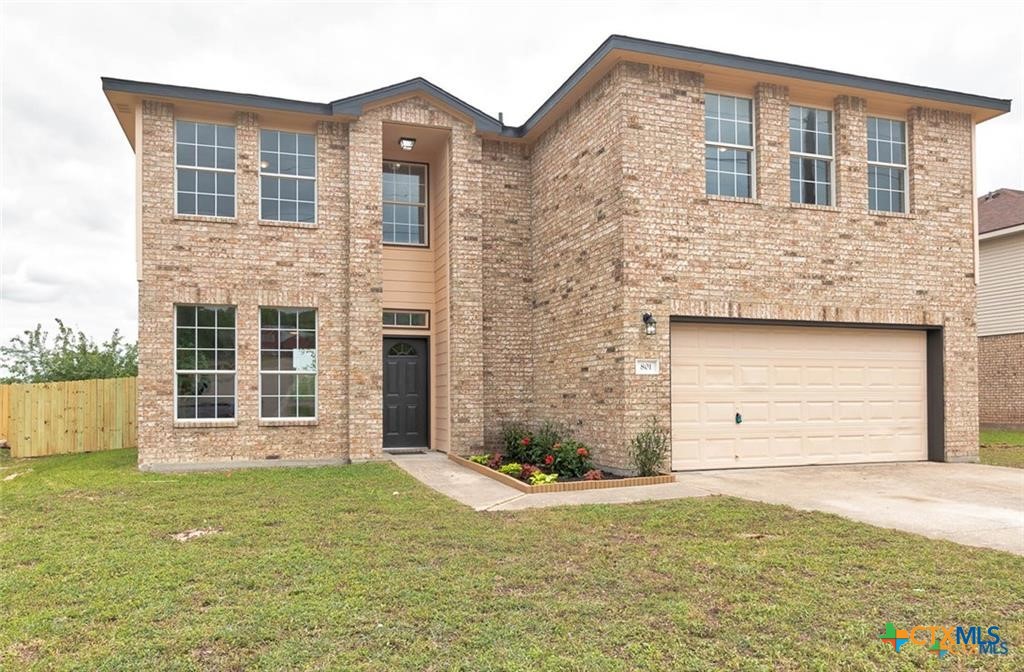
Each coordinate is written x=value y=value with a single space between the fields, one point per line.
x=1001 y=380
x=555 y=251
x=242 y=263
x=576 y=252
x=687 y=254
x=507 y=287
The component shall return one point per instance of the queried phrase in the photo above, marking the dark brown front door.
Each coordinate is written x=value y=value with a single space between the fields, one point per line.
x=405 y=393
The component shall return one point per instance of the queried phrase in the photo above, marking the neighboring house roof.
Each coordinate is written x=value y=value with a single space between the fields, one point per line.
x=1000 y=209
x=613 y=48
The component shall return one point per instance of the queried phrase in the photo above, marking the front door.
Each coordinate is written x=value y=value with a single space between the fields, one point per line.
x=405 y=393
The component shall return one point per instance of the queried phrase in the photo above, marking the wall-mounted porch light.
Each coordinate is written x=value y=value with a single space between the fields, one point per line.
x=407 y=144
x=650 y=324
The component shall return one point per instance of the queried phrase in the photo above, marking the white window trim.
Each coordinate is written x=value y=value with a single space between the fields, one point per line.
x=903 y=166
x=314 y=178
x=425 y=204
x=316 y=374
x=234 y=174
x=820 y=157
x=753 y=140
x=233 y=371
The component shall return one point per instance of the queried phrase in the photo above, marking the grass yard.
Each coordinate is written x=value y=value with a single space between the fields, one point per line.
x=362 y=568
x=1002 y=448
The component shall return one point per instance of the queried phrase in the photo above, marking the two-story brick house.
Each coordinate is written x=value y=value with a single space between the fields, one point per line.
x=776 y=261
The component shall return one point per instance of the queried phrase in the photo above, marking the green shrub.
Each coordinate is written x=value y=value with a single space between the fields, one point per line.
x=511 y=469
x=540 y=478
x=517 y=440
x=571 y=458
x=649 y=448
x=547 y=435
x=479 y=459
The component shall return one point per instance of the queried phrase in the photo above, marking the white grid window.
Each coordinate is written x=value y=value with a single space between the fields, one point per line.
x=810 y=155
x=415 y=319
x=288 y=177
x=204 y=362
x=204 y=158
x=887 y=165
x=404 y=187
x=288 y=363
x=729 y=148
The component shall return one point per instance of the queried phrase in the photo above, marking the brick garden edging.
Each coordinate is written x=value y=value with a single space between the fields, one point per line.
x=561 y=487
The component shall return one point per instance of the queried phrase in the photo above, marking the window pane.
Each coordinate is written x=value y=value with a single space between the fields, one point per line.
x=186 y=204
x=307 y=407
x=185 y=131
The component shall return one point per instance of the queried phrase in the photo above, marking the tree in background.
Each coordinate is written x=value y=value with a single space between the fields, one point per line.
x=30 y=358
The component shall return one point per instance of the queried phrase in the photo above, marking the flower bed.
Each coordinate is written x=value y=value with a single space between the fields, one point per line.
x=561 y=486
x=550 y=460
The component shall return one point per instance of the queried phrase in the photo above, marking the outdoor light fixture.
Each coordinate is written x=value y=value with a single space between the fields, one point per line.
x=649 y=324
x=407 y=144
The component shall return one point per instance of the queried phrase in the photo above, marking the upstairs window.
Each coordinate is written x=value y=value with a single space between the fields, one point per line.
x=887 y=165
x=810 y=156
x=204 y=159
x=404 y=188
x=729 y=145
x=287 y=177
x=204 y=362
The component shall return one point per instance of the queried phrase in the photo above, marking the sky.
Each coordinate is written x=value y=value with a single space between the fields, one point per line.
x=66 y=170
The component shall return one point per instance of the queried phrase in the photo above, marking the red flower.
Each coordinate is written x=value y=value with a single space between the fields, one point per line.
x=582 y=452
x=525 y=441
x=549 y=459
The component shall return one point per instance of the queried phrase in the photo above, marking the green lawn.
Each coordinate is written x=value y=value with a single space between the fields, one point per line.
x=1002 y=448
x=361 y=568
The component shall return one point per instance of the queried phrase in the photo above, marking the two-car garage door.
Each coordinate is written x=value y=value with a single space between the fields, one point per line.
x=753 y=395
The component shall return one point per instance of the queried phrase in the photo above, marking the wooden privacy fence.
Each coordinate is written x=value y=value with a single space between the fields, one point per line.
x=76 y=416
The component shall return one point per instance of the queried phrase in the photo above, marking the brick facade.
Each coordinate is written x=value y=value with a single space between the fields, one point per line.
x=1001 y=380
x=555 y=248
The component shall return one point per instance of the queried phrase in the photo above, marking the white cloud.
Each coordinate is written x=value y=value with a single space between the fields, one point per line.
x=66 y=198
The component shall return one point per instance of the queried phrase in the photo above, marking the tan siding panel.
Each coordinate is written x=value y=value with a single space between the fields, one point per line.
x=1001 y=286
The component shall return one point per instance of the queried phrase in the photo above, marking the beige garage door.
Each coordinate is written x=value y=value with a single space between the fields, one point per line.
x=805 y=395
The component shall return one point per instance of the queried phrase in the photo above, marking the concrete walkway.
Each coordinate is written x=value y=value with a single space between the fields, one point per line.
x=971 y=504
x=486 y=494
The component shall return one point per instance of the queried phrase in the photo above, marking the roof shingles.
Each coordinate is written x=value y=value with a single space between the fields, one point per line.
x=1000 y=209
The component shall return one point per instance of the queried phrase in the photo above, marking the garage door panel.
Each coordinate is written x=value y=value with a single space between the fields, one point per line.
x=807 y=395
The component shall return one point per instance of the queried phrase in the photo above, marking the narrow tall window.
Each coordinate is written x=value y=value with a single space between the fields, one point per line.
x=288 y=363
x=810 y=155
x=287 y=177
x=729 y=148
x=204 y=362
x=204 y=159
x=887 y=165
x=404 y=188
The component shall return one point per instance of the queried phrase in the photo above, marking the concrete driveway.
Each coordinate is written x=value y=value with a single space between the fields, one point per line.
x=971 y=504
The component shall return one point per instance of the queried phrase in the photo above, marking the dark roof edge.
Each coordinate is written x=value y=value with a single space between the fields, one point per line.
x=354 y=105
x=212 y=96
x=664 y=49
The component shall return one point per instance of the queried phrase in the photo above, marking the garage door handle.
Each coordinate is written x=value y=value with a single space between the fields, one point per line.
x=739 y=418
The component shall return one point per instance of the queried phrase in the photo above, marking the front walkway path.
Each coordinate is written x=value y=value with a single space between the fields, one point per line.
x=487 y=494
x=970 y=504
